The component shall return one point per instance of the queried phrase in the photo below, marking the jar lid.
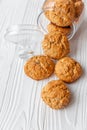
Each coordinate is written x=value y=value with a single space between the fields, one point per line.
x=27 y=37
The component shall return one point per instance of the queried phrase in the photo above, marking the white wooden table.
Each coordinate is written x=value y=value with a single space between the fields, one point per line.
x=21 y=107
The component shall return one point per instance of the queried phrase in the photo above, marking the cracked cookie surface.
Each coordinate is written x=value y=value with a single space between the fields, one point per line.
x=64 y=30
x=62 y=13
x=55 y=45
x=39 y=67
x=56 y=94
x=68 y=70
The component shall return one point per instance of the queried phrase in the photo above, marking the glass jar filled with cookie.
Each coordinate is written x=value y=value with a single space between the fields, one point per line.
x=65 y=16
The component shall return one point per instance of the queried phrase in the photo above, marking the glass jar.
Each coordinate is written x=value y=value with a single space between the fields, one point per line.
x=28 y=37
x=62 y=14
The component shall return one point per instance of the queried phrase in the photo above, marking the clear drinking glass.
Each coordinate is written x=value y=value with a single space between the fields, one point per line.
x=43 y=21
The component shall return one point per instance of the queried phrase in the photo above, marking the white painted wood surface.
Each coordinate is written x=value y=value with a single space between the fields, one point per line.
x=21 y=107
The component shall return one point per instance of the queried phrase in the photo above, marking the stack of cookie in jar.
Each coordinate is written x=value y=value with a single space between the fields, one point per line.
x=56 y=47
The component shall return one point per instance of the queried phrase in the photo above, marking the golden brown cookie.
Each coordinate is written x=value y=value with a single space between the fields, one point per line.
x=64 y=30
x=39 y=67
x=55 y=45
x=56 y=94
x=68 y=70
x=62 y=14
x=79 y=5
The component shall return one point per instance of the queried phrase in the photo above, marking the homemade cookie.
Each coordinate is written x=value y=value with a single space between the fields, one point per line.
x=62 y=14
x=68 y=70
x=56 y=94
x=64 y=30
x=55 y=45
x=79 y=5
x=39 y=67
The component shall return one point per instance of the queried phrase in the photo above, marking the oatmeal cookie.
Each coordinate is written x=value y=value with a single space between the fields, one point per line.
x=55 y=45
x=68 y=70
x=64 y=30
x=62 y=14
x=79 y=5
x=39 y=67
x=56 y=94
